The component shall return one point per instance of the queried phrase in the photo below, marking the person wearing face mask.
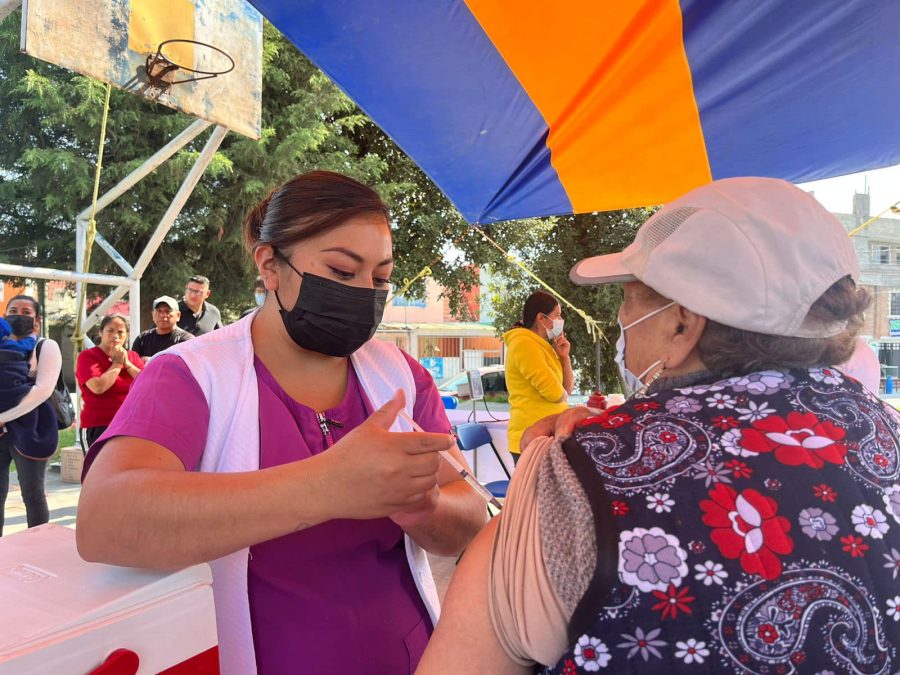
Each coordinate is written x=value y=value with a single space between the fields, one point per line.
x=259 y=297
x=28 y=426
x=283 y=460
x=741 y=509
x=538 y=368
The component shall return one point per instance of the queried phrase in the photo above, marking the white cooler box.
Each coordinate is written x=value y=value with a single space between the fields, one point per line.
x=63 y=615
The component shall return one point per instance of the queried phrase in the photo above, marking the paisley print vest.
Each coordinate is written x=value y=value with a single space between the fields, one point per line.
x=751 y=525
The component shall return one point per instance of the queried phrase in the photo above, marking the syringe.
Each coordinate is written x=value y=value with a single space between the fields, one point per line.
x=459 y=468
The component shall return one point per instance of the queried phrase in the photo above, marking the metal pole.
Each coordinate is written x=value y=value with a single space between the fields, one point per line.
x=148 y=167
x=104 y=307
x=598 y=352
x=61 y=275
x=110 y=250
x=80 y=245
x=42 y=299
x=7 y=7
x=179 y=201
x=134 y=316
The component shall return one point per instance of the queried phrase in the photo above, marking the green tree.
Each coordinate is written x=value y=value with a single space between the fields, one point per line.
x=551 y=252
x=48 y=144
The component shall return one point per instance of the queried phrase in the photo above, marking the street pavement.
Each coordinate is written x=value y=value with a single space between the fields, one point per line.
x=62 y=498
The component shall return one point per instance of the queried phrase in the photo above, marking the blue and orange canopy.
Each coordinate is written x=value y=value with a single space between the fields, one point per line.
x=533 y=108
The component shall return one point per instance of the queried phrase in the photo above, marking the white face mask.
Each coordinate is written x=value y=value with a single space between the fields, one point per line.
x=631 y=382
x=556 y=331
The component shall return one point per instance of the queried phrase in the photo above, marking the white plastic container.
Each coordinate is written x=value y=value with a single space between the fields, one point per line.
x=71 y=462
x=64 y=615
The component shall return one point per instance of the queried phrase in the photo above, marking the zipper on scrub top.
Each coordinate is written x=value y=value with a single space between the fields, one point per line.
x=324 y=424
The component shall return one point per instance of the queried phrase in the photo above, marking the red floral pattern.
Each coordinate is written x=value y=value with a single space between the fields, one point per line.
x=792 y=463
x=725 y=423
x=746 y=526
x=615 y=420
x=673 y=601
x=854 y=546
x=738 y=468
x=825 y=492
x=796 y=439
x=768 y=633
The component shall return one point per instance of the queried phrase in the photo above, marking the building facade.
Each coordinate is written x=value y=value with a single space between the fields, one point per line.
x=878 y=251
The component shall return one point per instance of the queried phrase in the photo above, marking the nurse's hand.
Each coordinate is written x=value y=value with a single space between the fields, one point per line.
x=374 y=472
x=420 y=512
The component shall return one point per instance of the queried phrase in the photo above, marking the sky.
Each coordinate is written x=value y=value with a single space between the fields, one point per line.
x=836 y=194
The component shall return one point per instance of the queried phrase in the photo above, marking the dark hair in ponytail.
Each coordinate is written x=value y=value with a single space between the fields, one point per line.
x=539 y=302
x=308 y=205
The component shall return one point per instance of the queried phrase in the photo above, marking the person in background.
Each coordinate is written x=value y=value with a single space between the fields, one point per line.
x=259 y=296
x=198 y=317
x=538 y=368
x=740 y=512
x=166 y=332
x=105 y=374
x=24 y=312
x=283 y=461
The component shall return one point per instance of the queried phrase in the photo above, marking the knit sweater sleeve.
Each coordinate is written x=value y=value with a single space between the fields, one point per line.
x=543 y=556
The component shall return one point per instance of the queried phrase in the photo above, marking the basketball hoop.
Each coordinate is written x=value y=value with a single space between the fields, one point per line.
x=160 y=67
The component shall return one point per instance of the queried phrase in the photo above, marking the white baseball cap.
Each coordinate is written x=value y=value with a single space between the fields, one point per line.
x=166 y=300
x=751 y=253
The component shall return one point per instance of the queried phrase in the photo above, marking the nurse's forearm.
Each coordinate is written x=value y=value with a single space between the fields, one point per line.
x=459 y=515
x=164 y=519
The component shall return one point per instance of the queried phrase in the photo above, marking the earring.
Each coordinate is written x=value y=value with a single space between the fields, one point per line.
x=643 y=390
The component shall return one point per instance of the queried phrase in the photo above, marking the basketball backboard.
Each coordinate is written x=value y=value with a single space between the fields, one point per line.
x=116 y=40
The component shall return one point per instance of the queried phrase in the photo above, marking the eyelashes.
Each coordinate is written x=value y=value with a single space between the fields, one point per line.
x=347 y=276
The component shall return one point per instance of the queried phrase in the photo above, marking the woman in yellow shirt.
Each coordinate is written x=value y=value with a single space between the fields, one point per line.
x=538 y=369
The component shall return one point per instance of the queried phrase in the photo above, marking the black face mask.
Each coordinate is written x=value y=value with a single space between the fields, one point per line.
x=332 y=318
x=20 y=324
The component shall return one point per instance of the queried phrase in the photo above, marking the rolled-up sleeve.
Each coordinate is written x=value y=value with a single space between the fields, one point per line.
x=528 y=616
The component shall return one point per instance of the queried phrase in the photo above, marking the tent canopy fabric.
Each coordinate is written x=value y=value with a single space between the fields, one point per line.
x=520 y=109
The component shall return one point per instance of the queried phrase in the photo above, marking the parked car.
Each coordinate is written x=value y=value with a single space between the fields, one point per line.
x=493 y=381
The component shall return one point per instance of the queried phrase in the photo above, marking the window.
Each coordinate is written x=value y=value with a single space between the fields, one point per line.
x=895 y=305
x=884 y=254
x=495 y=382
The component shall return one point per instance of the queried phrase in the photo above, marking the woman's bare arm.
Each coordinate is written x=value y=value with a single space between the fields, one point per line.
x=464 y=641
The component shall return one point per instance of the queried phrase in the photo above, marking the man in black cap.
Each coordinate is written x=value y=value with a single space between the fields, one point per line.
x=166 y=333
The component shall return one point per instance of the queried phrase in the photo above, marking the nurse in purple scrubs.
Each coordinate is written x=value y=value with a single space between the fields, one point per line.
x=272 y=449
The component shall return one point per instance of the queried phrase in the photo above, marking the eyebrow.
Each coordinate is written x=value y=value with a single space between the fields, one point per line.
x=354 y=256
